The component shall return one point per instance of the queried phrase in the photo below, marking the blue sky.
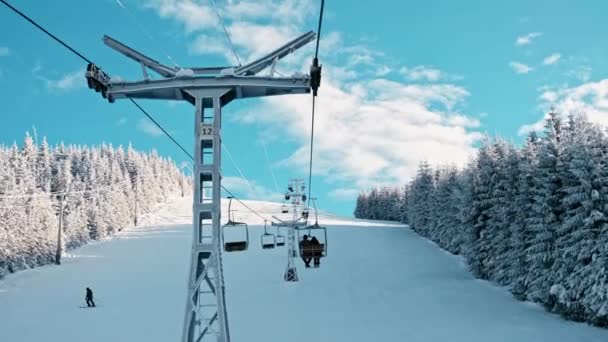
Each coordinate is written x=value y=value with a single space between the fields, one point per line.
x=403 y=80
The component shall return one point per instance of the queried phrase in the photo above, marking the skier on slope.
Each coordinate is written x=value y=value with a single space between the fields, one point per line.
x=89 y=298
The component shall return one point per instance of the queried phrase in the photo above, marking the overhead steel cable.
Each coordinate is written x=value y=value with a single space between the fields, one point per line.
x=161 y=128
x=45 y=31
x=315 y=82
x=133 y=101
x=219 y=17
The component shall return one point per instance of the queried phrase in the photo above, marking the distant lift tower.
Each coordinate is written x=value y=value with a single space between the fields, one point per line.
x=213 y=88
x=296 y=194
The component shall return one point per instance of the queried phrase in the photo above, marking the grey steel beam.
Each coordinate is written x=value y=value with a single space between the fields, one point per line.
x=139 y=57
x=264 y=62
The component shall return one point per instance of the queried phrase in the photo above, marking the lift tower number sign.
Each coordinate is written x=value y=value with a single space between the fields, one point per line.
x=206 y=130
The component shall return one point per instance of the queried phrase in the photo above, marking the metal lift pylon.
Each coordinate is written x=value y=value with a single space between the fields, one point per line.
x=205 y=88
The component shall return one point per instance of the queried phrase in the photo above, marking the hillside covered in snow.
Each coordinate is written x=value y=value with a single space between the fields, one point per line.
x=532 y=219
x=103 y=189
x=379 y=282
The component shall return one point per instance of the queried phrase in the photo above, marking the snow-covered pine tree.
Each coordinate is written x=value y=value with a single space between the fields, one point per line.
x=478 y=239
x=547 y=211
x=99 y=196
x=521 y=234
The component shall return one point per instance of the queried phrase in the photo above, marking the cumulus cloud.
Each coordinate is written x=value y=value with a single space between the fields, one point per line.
x=146 y=126
x=552 y=59
x=194 y=16
x=527 y=39
x=250 y=189
x=369 y=130
x=421 y=72
x=343 y=194
x=520 y=68
x=588 y=98
x=68 y=81
x=581 y=73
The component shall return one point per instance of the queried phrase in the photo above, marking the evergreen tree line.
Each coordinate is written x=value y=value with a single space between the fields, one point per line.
x=531 y=218
x=103 y=188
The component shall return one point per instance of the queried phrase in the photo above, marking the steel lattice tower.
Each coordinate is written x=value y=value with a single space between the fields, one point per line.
x=209 y=90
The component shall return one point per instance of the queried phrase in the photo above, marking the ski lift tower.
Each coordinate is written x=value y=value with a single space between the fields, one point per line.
x=296 y=193
x=209 y=88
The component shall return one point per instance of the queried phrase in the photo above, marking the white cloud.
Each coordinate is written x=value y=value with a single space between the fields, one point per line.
x=581 y=73
x=192 y=15
x=520 y=68
x=205 y=44
x=528 y=38
x=421 y=72
x=376 y=131
x=250 y=189
x=383 y=70
x=552 y=59
x=68 y=81
x=342 y=194
x=121 y=121
x=369 y=130
x=146 y=126
x=4 y=51
x=37 y=67
x=588 y=98
x=257 y=39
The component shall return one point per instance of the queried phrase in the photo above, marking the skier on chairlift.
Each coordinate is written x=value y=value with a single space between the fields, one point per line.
x=303 y=243
x=316 y=253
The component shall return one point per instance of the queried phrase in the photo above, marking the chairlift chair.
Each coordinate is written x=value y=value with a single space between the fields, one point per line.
x=239 y=244
x=308 y=250
x=280 y=239
x=313 y=251
x=267 y=239
x=284 y=209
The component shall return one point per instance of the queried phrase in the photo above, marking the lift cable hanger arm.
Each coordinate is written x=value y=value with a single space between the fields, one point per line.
x=160 y=68
x=266 y=61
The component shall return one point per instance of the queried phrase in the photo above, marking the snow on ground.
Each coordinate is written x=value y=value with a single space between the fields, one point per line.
x=377 y=284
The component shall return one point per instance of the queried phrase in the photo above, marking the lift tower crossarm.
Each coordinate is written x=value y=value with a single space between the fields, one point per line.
x=266 y=61
x=243 y=87
x=161 y=69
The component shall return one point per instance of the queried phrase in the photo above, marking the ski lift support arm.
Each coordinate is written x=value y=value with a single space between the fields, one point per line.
x=161 y=69
x=271 y=58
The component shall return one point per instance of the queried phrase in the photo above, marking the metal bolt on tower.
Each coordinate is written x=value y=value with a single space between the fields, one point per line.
x=206 y=88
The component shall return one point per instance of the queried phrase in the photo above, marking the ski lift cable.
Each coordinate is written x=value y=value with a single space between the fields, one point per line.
x=45 y=194
x=145 y=32
x=236 y=166
x=45 y=31
x=312 y=126
x=89 y=61
x=217 y=12
x=133 y=101
x=274 y=178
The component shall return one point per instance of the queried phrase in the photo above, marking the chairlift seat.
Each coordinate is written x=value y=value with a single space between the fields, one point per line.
x=235 y=246
x=280 y=240
x=311 y=251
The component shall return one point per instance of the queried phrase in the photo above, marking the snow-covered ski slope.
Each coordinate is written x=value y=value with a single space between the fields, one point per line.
x=380 y=282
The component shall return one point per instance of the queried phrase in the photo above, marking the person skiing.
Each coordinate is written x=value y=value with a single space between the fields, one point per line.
x=89 y=298
x=304 y=243
x=316 y=252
